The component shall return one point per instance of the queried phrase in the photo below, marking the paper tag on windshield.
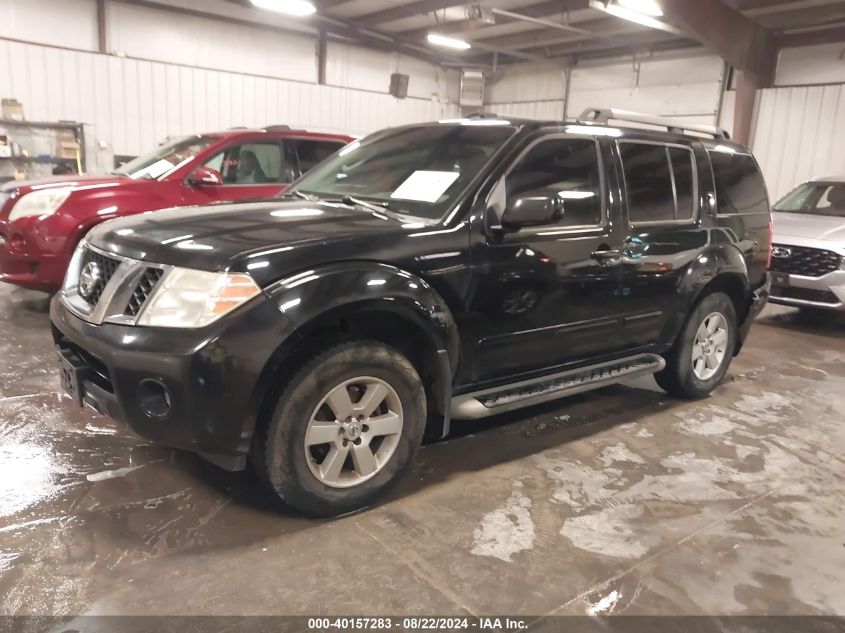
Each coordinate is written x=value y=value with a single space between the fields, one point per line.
x=158 y=168
x=425 y=186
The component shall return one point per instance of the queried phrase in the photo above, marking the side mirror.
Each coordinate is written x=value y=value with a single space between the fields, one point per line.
x=204 y=177
x=532 y=209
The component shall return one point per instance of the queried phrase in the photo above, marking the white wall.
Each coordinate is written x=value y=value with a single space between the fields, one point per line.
x=799 y=134
x=173 y=75
x=687 y=88
x=799 y=129
x=37 y=21
x=811 y=65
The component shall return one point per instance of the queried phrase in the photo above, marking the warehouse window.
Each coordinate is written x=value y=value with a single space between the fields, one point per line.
x=739 y=185
x=660 y=182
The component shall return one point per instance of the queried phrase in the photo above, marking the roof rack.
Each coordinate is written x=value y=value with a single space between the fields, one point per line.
x=482 y=115
x=603 y=115
x=273 y=128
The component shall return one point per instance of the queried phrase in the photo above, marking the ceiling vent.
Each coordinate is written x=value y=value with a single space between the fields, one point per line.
x=480 y=13
x=472 y=88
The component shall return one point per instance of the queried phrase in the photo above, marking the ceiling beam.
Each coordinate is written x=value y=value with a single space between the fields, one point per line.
x=539 y=10
x=739 y=40
x=834 y=35
x=406 y=11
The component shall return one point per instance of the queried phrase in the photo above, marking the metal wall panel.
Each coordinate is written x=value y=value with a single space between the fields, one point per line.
x=799 y=133
x=132 y=105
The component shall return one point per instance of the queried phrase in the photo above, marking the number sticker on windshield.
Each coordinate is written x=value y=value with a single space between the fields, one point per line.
x=425 y=186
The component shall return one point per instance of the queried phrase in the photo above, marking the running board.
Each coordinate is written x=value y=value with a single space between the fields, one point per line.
x=481 y=404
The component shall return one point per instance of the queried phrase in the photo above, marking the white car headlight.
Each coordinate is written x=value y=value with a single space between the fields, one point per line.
x=45 y=202
x=190 y=298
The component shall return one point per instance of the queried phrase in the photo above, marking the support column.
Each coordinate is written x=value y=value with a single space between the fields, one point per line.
x=746 y=97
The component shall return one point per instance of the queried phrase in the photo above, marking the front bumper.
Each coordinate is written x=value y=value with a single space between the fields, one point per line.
x=825 y=292
x=215 y=377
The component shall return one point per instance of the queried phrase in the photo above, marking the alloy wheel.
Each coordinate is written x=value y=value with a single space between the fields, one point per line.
x=710 y=346
x=353 y=432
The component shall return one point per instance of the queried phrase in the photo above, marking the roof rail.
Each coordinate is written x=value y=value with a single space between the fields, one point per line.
x=603 y=115
x=273 y=128
x=482 y=115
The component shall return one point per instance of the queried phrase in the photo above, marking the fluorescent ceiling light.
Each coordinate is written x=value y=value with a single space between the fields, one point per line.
x=290 y=7
x=634 y=16
x=449 y=42
x=646 y=7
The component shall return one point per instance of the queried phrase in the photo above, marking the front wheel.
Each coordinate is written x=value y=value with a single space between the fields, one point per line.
x=703 y=350
x=346 y=427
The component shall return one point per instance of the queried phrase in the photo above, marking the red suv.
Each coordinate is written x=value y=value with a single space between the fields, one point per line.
x=41 y=221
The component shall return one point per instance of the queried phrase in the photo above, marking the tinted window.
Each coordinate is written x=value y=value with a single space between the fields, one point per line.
x=313 y=152
x=739 y=185
x=648 y=182
x=566 y=168
x=816 y=199
x=683 y=169
x=252 y=164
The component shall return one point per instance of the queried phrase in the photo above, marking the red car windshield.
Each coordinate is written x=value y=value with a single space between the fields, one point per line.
x=166 y=158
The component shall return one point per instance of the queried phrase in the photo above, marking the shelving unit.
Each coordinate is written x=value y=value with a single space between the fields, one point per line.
x=40 y=143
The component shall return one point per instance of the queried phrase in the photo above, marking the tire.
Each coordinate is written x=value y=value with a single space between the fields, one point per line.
x=680 y=378
x=317 y=462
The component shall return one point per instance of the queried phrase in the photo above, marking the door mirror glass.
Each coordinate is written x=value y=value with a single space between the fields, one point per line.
x=205 y=177
x=532 y=209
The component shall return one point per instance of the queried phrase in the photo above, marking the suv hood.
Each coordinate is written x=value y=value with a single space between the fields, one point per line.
x=74 y=180
x=227 y=236
x=808 y=227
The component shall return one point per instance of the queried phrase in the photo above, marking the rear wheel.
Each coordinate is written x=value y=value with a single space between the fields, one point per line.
x=344 y=430
x=703 y=350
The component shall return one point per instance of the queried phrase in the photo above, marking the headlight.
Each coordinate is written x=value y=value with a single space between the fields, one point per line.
x=45 y=202
x=189 y=298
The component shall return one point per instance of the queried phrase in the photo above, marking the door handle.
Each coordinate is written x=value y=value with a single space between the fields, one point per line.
x=607 y=256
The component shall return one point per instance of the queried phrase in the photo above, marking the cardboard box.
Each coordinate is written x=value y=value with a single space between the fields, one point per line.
x=12 y=110
x=68 y=149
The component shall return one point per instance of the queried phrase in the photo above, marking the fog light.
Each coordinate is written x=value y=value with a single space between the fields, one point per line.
x=154 y=398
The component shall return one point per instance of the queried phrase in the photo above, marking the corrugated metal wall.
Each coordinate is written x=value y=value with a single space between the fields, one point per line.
x=135 y=104
x=799 y=134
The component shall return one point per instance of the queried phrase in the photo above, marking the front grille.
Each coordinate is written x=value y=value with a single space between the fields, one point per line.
x=805 y=294
x=143 y=290
x=107 y=267
x=808 y=262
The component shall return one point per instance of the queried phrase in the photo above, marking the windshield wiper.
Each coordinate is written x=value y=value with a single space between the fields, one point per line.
x=378 y=207
x=299 y=194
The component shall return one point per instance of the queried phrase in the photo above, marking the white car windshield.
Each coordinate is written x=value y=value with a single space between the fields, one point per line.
x=815 y=198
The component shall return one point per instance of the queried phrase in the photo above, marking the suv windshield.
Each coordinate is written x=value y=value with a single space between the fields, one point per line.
x=417 y=171
x=815 y=198
x=166 y=158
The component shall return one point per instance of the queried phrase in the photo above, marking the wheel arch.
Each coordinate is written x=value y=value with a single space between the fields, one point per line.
x=366 y=301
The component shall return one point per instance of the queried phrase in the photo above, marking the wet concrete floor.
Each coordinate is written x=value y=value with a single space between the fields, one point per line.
x=621 y=501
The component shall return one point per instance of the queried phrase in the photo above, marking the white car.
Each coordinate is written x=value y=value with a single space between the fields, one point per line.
x=808 y=249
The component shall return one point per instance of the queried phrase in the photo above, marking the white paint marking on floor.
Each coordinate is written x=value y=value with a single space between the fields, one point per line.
x=111 y=474
x=605 y=605
x=507 y=530
x=619 y=453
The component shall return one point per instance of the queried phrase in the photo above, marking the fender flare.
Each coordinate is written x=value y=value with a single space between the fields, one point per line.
x=713 y=263
x=345 y=288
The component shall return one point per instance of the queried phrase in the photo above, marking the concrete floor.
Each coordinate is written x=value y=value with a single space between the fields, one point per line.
x=621 y=501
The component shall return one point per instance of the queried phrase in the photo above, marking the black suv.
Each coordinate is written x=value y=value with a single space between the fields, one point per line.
x=449 y=270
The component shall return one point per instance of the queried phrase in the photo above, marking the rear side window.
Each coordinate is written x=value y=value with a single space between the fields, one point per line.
x=660 y=182
x=739 y=185
x=313 y=152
